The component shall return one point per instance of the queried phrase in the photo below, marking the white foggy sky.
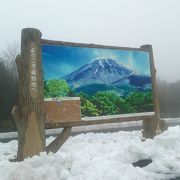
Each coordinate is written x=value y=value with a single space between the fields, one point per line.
x=128 y=23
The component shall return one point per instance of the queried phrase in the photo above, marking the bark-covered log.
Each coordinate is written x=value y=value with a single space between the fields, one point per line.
x=29 y=115
x=156 y=124
x=149 y=128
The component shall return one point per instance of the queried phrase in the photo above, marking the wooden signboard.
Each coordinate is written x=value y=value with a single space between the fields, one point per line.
x=113 y=82
x=109 y=80
x=63 y=109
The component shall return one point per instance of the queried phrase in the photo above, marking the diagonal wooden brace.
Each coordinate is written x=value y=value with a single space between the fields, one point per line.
x=59 y=140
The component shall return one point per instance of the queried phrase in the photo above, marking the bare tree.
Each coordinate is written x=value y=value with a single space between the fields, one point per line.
x=11 y=52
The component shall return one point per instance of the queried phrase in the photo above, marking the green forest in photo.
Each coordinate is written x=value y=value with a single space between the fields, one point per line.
x=100 y=103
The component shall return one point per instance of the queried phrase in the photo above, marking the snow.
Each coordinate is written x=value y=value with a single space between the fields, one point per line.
x=108 y=62
x=101 y=63
x=98 y=156
x=96 y=70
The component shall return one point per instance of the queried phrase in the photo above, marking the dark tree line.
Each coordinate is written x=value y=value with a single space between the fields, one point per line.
x=169 y=93
x=169 y=97
x=8 y=87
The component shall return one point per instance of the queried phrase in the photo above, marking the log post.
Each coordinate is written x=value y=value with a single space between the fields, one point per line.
x=149 y=128
x=156 y=124
x=29 y=115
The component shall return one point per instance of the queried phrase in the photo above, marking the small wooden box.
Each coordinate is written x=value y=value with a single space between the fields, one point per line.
x=63 y=109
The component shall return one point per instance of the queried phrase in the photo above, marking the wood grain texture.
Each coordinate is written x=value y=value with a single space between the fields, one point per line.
x=149 y=128
x=154 y=89
x=102 y=120
x=59 y=141
x=29 y=115
x=63 y=110
x=52 y=42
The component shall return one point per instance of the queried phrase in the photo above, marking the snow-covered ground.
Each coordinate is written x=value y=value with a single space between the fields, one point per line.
x=98 y=156
x=114 y=127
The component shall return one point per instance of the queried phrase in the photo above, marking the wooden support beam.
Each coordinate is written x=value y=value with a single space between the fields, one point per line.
x=59 y=141
x=29 y=114
x=102 y=120
x=154 y=88
x=149 y=128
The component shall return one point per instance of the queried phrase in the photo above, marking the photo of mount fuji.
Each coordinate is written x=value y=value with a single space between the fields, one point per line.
x=108 y=81
x=107 y=73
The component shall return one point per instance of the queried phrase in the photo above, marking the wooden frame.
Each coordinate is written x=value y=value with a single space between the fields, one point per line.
x=144 y=48
x=103 y=120
x=52 y=42
x=30 y=115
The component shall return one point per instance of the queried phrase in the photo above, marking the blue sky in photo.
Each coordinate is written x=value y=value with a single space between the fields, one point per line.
x=60 y=60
